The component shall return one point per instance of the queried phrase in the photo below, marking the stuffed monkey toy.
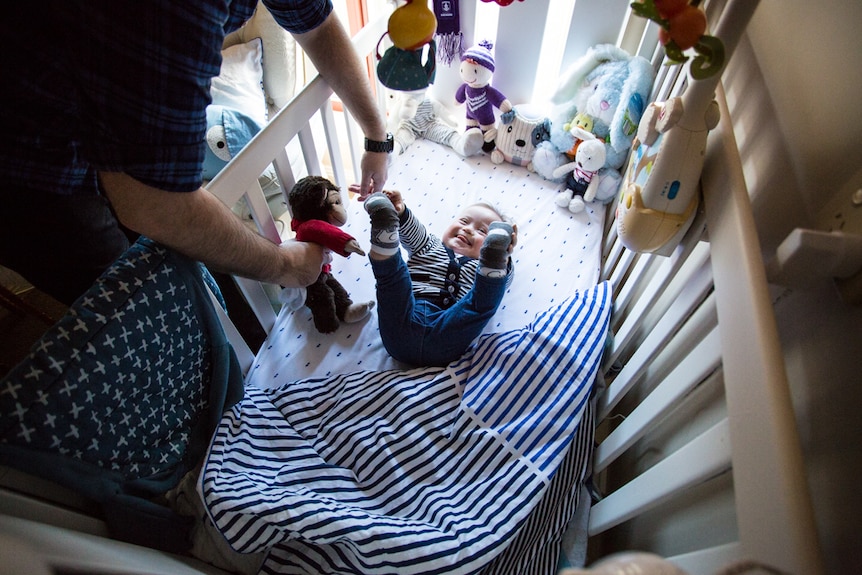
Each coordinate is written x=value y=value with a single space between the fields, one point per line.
x=318 y=214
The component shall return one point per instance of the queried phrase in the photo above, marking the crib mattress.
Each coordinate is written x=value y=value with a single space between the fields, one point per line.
x=341 y=460
x=558 y=253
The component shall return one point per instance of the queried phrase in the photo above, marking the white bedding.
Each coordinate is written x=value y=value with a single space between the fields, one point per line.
x=557 y=254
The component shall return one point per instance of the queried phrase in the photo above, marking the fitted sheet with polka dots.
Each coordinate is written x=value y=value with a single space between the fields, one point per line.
x=558 y=253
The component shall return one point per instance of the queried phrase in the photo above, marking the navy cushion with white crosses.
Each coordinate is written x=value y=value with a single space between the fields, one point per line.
x=128 y=386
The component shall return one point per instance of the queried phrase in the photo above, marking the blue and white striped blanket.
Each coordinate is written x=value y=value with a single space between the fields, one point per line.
x=465 y=469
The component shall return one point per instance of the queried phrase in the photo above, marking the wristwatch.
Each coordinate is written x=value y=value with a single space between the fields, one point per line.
x=376 y=146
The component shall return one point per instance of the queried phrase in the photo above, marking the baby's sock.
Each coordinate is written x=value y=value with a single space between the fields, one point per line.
x=385 y=240
x=494 y=255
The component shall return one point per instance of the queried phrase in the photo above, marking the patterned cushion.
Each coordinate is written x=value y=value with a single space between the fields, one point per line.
x=123 y=393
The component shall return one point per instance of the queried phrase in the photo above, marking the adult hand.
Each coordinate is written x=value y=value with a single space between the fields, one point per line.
x=393 y=195
x=304 y=261
x=375 y=168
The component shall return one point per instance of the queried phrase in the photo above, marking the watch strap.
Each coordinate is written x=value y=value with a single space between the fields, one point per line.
x=377 y=146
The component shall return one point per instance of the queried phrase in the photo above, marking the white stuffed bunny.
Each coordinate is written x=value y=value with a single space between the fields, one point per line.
x=582 y=181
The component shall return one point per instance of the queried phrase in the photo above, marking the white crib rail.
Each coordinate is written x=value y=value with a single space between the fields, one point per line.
x=698 y=400
x=760 y=410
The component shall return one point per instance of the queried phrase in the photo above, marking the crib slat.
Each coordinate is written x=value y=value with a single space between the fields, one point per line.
x=763 y=425
x=650 y=45
x=261 y=213
x=258 y=301
x=66 y=550
x=646 y=294
x=704 y=457
x=309 y=150
x=518 y=76
x=702 y=361
x=709 y=560
x=284 y=171
x=626 y=262
x=612 y=259
x=330 y=131
x=355 y=144
x=240 y=347
x=632 y=33
x=667 y=337
x=593 y=23
x=643 y=269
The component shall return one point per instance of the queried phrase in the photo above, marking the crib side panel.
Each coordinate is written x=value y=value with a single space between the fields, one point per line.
x=698 y=454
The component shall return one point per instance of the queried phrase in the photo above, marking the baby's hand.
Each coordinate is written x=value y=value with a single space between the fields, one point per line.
x=396 y=199
x=514 y=237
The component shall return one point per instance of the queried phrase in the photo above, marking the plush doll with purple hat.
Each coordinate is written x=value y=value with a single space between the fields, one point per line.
x=477 y=68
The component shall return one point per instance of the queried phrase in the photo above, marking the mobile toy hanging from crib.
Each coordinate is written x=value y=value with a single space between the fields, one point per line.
x=659 y=193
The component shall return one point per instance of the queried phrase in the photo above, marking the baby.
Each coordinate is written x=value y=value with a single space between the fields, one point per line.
x=432 y=307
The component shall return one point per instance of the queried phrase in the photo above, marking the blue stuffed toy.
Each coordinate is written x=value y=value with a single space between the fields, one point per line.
x=611 y=88
x=228 y=131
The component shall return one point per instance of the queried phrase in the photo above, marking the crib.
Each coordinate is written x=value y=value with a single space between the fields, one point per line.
x=696 y=455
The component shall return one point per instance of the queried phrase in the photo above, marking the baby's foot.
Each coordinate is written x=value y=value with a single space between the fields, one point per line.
x=384 y=225
x=358 y=311
x=494 y=255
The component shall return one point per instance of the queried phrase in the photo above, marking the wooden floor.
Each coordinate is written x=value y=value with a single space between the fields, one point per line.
x=25 y=314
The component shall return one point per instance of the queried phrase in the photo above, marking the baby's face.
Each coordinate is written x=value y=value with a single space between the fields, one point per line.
x=465 y=234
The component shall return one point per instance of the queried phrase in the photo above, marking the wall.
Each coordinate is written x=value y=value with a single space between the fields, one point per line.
x=803 y=86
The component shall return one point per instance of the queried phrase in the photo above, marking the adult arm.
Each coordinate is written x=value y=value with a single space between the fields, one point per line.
x=200 y=226
x=330 y=49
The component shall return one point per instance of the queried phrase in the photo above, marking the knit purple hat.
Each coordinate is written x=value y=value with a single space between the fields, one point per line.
x=481 y=54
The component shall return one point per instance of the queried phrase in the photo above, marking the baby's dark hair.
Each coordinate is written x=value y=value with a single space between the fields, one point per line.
x=504 y=217
x=307 y=198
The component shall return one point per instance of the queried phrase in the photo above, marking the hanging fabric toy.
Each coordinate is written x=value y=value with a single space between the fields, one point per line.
x=450 y=40
x=410 y=27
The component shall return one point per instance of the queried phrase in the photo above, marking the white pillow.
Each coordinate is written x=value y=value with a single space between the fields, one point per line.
x=240 y=83
x=279 y=56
